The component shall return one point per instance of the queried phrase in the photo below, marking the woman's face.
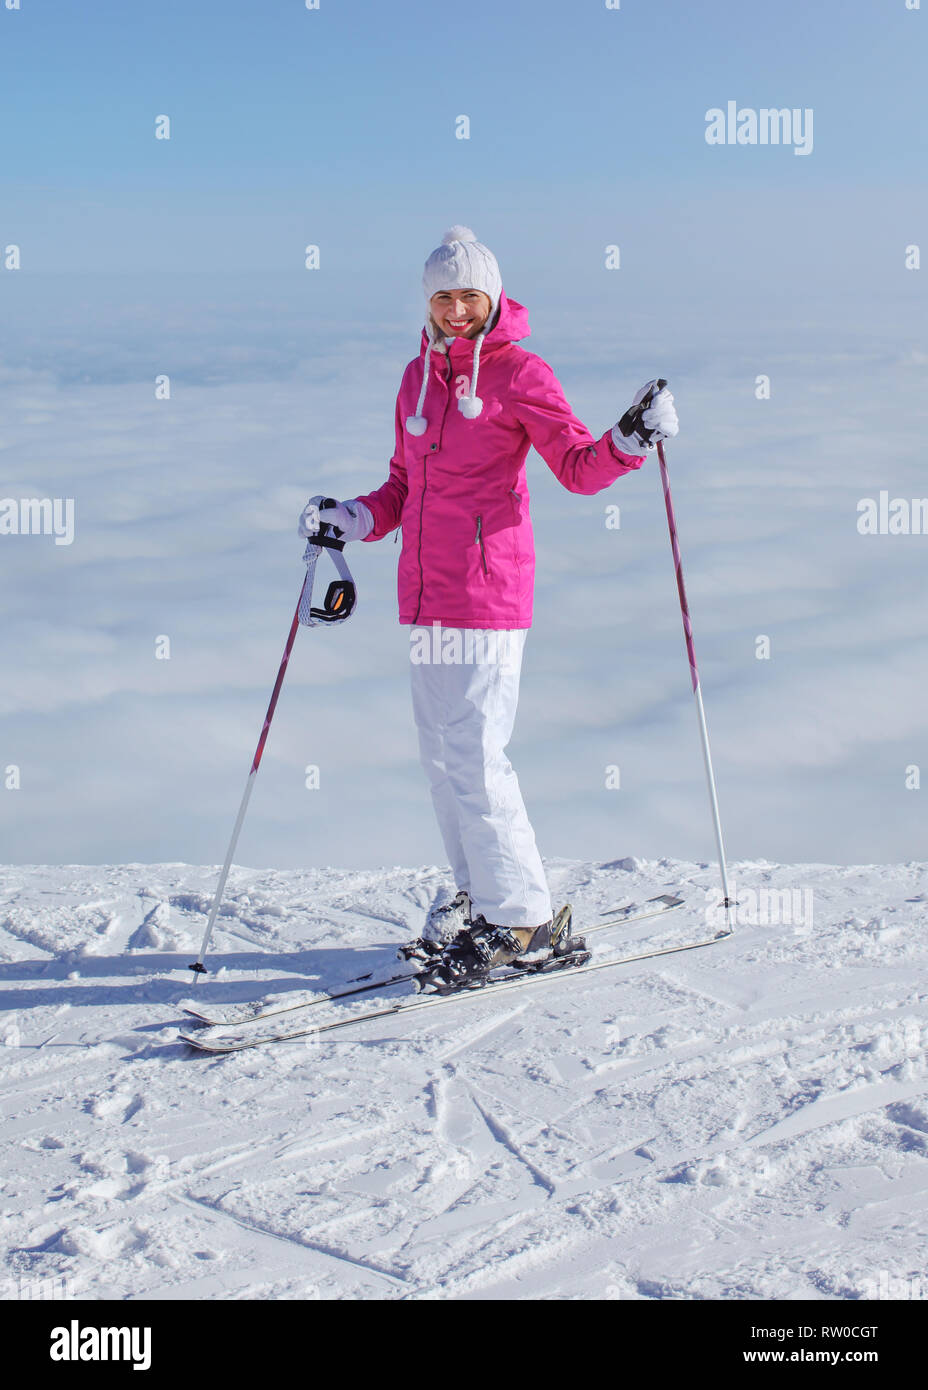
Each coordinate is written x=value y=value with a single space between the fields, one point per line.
x=460 y=313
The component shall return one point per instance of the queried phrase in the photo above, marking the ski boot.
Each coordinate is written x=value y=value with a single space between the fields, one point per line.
x=447 y=918
x=552 y=943
x=466 y=962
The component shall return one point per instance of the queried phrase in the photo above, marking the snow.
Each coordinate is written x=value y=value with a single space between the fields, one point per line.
x=748 y=1121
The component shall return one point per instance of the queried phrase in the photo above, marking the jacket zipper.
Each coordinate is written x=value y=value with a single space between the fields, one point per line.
x=419 y=552
x=478 y=540
x=425 y=475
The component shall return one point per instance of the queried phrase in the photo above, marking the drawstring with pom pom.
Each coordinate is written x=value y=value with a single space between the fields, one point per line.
x=417 y=424
x=470 y=405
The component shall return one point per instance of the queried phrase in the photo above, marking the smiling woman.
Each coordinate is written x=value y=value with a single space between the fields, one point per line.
x=458 y=489
x=460 y=313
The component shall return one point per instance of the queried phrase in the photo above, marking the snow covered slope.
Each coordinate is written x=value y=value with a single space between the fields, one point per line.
x=748 y=1121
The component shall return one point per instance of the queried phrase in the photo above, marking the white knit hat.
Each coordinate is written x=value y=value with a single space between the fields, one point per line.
x=460 y=263
x=463 y=263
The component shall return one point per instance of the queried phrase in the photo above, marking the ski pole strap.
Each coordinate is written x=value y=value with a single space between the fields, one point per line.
x=341 y=597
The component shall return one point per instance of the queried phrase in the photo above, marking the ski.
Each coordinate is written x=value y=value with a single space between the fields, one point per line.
x=273 y=1004
x=252 y=1012
x=221 y=1040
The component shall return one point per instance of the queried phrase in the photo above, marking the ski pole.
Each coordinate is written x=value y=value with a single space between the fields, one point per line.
x=198 y=967
x=339 y=603
x=631 y=422
x=694 y=676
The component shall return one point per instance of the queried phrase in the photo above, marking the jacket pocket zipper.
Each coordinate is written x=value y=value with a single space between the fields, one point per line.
x=478 y=540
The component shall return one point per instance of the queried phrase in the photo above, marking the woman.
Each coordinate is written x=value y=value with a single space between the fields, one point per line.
x=457 y=487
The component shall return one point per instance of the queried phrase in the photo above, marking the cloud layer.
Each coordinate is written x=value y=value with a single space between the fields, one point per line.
x=185 y=528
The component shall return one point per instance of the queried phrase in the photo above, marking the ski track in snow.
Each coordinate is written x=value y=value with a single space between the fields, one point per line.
x=749 y=1121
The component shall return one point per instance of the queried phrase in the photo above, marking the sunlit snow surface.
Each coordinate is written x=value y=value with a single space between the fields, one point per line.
x=746 y=1121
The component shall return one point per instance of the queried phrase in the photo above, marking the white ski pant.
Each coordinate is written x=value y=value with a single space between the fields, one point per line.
x=464 y=712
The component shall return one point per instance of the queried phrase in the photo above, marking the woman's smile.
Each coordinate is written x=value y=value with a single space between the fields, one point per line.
x=460 y=313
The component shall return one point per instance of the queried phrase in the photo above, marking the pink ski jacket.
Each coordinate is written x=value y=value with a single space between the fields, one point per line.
x=459 y=490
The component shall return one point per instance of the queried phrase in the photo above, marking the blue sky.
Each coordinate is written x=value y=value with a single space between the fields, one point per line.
x=337 y=127
x=342 y=118
x=283 y=92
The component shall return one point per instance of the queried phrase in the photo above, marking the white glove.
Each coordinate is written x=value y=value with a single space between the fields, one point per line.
x=352 y=519
x=659 y=416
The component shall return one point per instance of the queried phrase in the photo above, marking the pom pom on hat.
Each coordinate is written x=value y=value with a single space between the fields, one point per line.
x=457 y=234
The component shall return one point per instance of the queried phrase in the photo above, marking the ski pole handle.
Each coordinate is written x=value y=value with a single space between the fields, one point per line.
x=322 y=536
x=630 y=423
